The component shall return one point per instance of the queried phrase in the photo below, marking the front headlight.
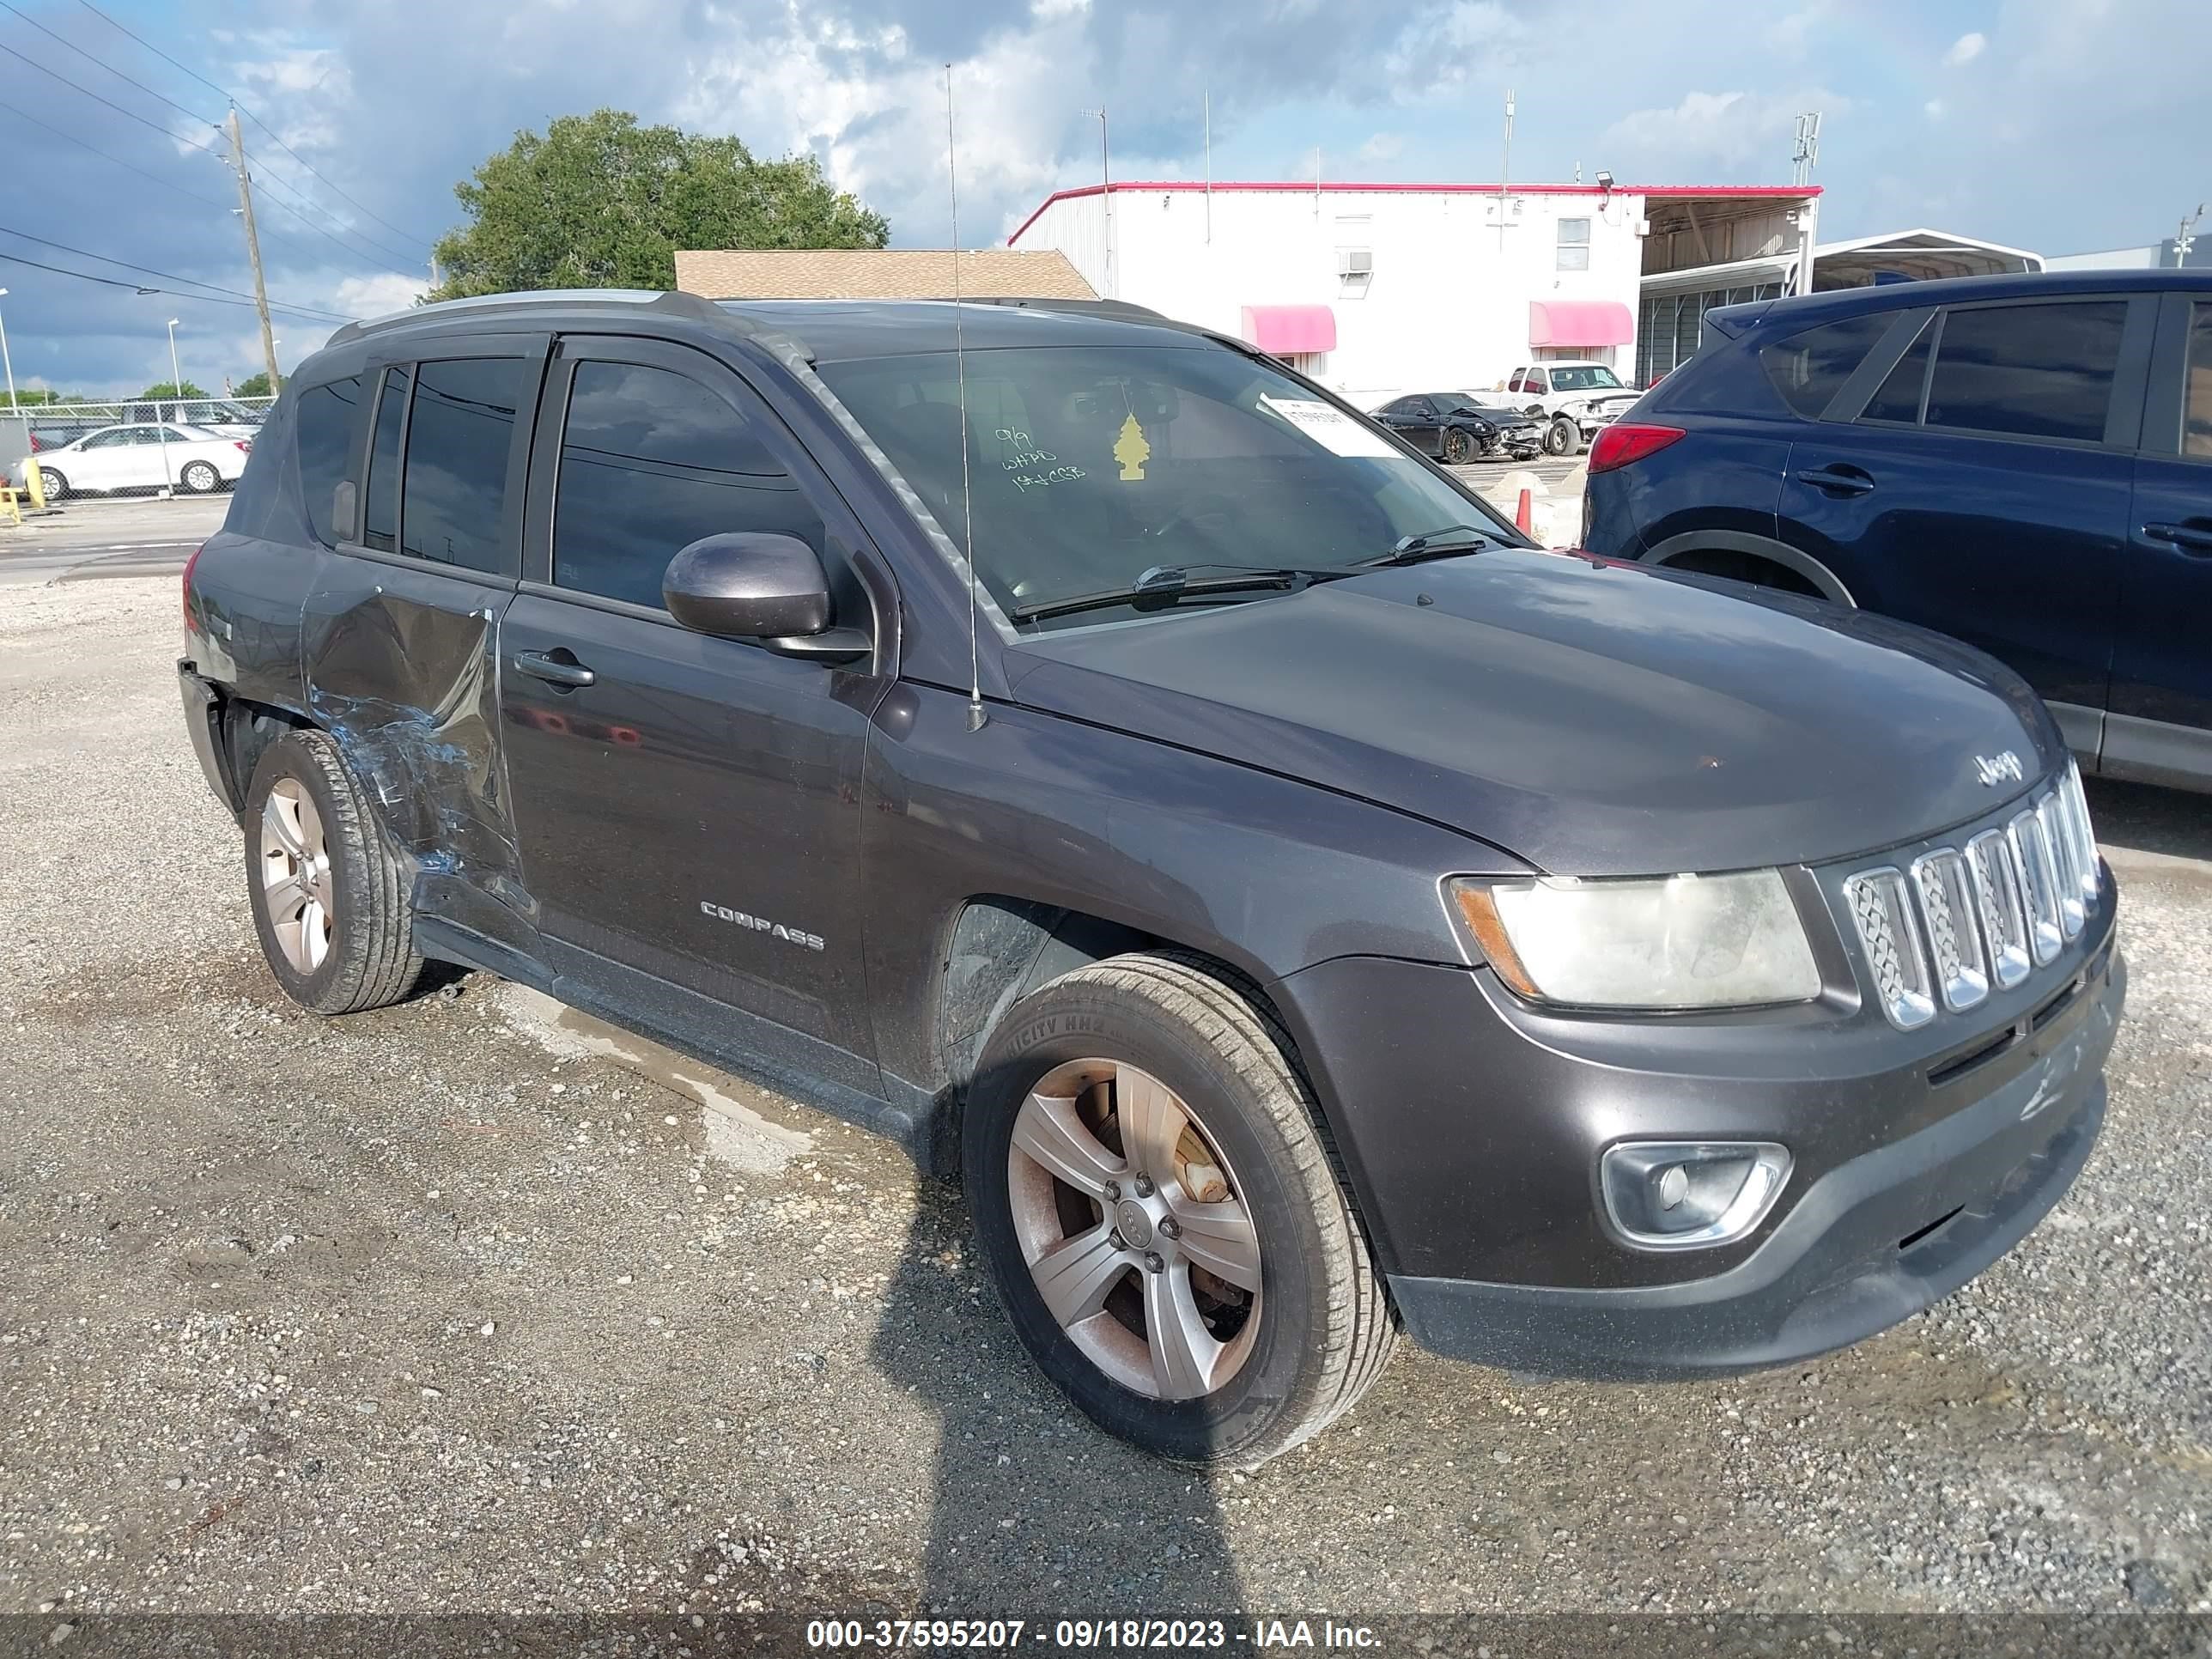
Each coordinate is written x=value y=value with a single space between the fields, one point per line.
x=1674 y=942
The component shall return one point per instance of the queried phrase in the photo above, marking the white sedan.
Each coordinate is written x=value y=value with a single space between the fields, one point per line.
x=140 y=456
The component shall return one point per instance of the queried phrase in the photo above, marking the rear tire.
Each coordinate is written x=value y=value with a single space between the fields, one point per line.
x=1133 y=1041
x=332 y=900
x=1748 y=568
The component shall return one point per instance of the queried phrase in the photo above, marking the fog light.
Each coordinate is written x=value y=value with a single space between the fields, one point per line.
x=1686 y=1196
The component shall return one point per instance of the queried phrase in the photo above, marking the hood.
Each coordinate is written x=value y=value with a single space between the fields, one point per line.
x=1591 y=717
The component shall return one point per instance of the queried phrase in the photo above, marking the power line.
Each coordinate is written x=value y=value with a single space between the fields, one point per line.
x=406 y=259
x=138 y=288
x=189 y=194
x=166 y=275
x=251 y=116
x=98 y=63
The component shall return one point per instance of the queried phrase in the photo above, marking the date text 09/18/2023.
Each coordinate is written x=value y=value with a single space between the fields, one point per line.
x=1007 y=1635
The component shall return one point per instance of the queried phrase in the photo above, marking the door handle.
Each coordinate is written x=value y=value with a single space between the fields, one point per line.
x=553 y=672
x=2189 y=537
x=1838 y=481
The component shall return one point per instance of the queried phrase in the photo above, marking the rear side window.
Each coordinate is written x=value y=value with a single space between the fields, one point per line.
x=1810 y=367
x=2032 y=371
x=327 y=420
x=459 y=442
x=382 y=521
x=2196 y=412
x=1897 y=399
x=651 y=461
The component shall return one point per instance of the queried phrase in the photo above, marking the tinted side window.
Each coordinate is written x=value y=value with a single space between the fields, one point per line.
x=2197 y=410
x=327 y=419
x=651 y=461
x=458 y=443
x=2040 y=371
x=1898 y=398
x=382 y=519
x=1810 y=367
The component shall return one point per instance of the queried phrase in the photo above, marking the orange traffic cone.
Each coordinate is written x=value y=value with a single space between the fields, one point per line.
x=1525 y=516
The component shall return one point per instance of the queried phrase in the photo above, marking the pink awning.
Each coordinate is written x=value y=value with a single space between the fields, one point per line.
x=1579 y=323
x=1287 y=330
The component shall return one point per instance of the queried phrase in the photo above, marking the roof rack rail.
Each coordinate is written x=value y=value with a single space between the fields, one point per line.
x=688 y=304
x=1052 y=302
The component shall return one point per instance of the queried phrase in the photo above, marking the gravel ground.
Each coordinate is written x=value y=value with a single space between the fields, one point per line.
x=471 y=1304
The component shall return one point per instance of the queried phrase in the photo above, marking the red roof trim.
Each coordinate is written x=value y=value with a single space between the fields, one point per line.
x=1305 y=186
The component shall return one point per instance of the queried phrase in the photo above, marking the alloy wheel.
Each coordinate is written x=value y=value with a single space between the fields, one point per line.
x=296 y=876
x=1134 y=1228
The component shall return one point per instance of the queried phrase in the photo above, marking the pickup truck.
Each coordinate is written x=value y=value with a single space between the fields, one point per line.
x=1572 y=401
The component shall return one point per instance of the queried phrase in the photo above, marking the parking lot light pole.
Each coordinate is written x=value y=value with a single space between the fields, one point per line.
x=5 y=358
x=176 y=375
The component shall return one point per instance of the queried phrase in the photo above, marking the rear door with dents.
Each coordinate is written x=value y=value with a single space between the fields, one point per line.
x=688 y=806
x=400 y=629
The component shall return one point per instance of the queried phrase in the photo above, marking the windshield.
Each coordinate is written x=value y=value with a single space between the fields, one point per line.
x=1092 y=465
x=1590 y=377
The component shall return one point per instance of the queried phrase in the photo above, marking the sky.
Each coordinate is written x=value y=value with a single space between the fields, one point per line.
x=2059 y=125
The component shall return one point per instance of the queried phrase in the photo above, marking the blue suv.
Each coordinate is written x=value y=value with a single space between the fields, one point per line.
x=2023 y=462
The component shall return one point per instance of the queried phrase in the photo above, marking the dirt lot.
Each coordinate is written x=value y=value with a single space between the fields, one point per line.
x=470 y=1304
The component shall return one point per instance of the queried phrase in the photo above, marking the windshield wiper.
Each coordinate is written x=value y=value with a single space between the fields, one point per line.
x=1165 y=584
x=1442 y=542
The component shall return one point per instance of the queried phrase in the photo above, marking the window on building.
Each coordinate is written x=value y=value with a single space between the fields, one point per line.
x=1574 y=243
x=382 y=530
x=2039 y=370
x=651 y=461
x=328 y=420
x=459 y=442
x=1810 y=367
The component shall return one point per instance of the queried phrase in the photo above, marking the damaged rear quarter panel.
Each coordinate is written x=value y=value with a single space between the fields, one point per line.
x=402 y=669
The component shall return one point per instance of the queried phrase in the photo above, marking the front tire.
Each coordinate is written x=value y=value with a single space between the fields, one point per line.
x=1458 y=445
x=53 y=484
x=200 y=478
x=1562 y=437
x=332 y=900
x=1157 y=1202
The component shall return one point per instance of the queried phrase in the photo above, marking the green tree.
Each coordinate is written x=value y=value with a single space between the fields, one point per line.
x=171 y=389
x=253 y=386
x=598 y=201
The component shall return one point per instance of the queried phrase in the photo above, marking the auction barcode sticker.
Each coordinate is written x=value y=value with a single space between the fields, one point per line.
x=1329 y=426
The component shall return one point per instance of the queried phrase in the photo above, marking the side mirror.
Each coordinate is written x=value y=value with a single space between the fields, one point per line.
x=758 y=585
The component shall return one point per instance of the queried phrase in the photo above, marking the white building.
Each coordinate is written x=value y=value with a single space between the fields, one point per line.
x=1380 y=290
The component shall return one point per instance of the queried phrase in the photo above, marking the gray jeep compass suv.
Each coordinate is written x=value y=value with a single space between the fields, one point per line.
x=1297 y=908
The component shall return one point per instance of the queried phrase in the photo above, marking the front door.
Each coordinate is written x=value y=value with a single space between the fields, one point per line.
x=689 y=807
x=2160 y=722
x=1981 y=486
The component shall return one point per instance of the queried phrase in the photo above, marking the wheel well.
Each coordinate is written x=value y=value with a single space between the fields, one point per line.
x=1738 y=565
x=243 y=732
x=1003 y=948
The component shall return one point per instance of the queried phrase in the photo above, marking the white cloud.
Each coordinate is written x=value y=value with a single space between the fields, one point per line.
x=1383 y=147
x=1966 y=48
x=375 y=296
x=1933 y=109
x=1735 y=130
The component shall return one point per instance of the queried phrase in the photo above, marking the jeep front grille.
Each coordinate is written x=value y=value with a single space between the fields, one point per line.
x=1968 y=920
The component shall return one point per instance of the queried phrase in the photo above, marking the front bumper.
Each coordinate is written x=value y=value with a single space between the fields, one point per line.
x=1868 y=1244
x=1472 y=1143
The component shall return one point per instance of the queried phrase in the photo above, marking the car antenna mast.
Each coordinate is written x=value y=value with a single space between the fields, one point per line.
x=960 y=378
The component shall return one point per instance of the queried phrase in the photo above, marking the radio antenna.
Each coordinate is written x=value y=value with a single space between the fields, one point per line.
x=960 y=376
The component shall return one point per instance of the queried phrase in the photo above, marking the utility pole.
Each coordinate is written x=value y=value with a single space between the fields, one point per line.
x=1505 y=169
x=1803 y=159
x=2183 y=241
x=253 y=252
